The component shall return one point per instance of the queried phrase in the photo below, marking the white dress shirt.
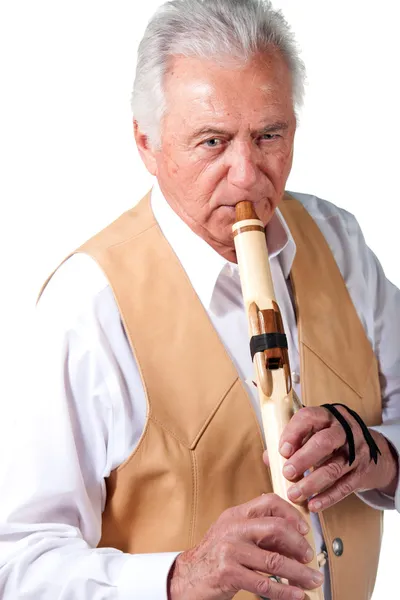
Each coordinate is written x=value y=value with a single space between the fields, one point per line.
x=87 y=409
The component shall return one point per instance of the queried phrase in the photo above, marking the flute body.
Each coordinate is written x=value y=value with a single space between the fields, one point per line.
x=268 y=348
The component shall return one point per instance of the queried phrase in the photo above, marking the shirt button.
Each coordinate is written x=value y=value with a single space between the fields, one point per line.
x=295 y=377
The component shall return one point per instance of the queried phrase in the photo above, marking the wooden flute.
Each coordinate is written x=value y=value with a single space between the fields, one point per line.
x=268 y=348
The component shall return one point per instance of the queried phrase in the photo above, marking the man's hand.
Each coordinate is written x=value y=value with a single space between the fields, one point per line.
x=265 y=535
x=314 y=439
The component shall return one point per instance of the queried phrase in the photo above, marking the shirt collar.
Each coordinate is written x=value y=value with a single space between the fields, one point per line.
x=203 y=265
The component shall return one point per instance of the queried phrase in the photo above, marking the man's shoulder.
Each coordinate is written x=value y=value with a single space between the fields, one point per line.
x=74 y=288
x=128 y=225
x=326 y=213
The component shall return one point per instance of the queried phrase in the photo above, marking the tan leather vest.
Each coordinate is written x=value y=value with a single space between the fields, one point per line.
x=201 y=450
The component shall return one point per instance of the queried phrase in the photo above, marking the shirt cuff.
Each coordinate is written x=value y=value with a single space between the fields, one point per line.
x=374 y=498
x=144 y=576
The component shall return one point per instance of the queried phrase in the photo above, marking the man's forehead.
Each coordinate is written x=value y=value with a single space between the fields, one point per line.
x=202 y=96
x=207 y=75
x=224 y=94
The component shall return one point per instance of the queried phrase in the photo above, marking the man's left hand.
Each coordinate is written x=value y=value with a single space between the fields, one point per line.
x=314 y=439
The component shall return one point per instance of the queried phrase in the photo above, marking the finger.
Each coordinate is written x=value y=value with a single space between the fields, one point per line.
x=275 y=564
x=305 y=421
x=318 y=449
x=266 y=458
x=264 y=587
x=320 y=479
x=268 y=505
x=276 y=534
x=343 y=488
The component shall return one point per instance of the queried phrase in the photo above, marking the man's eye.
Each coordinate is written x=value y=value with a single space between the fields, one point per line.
x=212 y=143
x=269 y=136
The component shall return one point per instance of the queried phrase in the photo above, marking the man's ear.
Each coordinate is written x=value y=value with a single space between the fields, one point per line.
x=146 y=152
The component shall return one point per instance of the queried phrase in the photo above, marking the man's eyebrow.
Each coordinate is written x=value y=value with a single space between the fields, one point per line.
x=205 y=131
x=278 y=126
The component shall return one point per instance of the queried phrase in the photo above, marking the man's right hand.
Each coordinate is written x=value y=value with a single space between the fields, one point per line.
x=265 y=535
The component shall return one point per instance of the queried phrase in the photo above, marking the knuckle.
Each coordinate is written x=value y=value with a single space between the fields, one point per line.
x=226 y=572
x=226 y=550
x=334 y=471
x=263 y=587
x=346 y=489
x=228 y=513
x=365 y=453
x=315 y=411
x=279 y=526
x=303 y=413
x=325 y=442
x=280 y=593
x=331 y=497
x=357 y=478
x=251 y=513
x=274 y=562
x=273 y=499
x=338 y=433
x=275 y=528
x=308 y=414
x=272 y=503
x=231 y=514
x=227 y=583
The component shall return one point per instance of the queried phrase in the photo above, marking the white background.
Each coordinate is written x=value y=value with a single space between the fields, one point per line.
x=69 y=165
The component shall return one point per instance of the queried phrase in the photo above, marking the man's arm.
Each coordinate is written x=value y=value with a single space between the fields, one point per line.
x=384 y=316
x=69 y=439
x=377 y=302
x=52 y=477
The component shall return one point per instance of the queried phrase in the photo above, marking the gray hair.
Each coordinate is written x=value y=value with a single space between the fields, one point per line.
x=207 y=29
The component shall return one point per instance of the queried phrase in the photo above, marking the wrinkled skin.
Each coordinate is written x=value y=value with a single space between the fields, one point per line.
x=314 y=439
x=265 y=535
x=227 y=136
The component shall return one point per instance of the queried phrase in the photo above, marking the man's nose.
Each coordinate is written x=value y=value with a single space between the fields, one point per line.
x=242 y=166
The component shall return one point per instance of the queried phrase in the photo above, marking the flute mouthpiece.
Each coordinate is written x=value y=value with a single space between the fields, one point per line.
x=244 y=211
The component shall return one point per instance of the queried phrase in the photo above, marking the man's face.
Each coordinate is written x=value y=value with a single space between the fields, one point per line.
x=227 y=136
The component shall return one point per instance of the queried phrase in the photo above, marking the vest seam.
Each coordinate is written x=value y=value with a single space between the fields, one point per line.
x=169 y=431
x=192 y=444
x=135 y=451
x=372 y=365
x=116 y=244
x=254 y=416
x=212 y=415
x=150 y=419
x=359 y=394
x=194 y=497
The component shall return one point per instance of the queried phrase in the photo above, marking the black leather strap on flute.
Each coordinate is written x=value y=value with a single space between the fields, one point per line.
x=373 y=448
x=266 y=341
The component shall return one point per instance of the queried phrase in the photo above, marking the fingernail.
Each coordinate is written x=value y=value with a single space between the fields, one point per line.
x=317 y=578
x=294 y=492
x=309 y=555
x=303 y=527
x=317 y=505
x=289 y=471
x=286 y=450
x=298 y=595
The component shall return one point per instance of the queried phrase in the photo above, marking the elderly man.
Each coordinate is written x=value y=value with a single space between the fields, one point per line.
x=140 y=474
